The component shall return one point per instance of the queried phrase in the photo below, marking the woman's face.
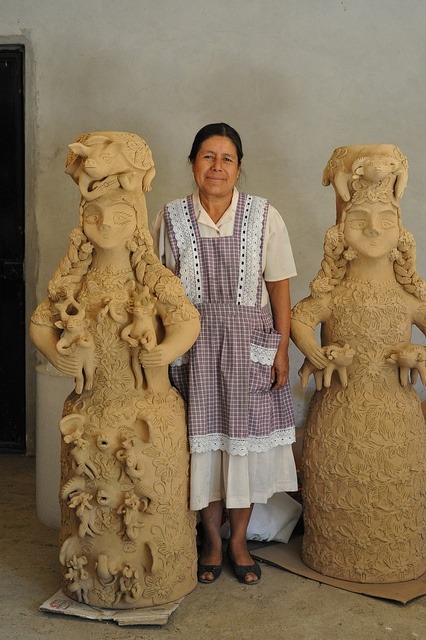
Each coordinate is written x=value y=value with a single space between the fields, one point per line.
x=372 y=229
x=109 y=225
x=216 y=167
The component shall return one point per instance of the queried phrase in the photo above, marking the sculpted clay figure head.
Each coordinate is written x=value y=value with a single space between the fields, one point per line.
x=109 y=222
x=376 y=168
x=368 y=181
x=371 y=228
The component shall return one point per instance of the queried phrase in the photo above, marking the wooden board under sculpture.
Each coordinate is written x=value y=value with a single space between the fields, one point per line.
x=364 y=452
x=114 y=318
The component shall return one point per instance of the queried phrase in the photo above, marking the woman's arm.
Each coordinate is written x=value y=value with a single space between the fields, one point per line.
x=279 y=295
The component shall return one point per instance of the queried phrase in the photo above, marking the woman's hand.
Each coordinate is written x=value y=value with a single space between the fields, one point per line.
x=280 y=369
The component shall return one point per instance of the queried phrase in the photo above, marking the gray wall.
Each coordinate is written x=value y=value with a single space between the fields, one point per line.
x=297 y=78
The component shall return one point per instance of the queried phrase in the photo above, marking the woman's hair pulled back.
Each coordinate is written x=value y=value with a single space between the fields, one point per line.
x=216 y=129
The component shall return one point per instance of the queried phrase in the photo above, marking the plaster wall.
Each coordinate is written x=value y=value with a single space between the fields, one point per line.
x=296 y=78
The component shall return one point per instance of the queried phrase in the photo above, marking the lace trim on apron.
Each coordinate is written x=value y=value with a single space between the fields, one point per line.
x=218 y=441
x=180 y=219
x=262 y=354
x=251 y=245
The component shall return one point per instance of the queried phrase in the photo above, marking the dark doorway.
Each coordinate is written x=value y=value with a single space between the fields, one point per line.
x=12 y=212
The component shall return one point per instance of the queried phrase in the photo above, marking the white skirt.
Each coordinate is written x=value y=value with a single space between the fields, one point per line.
x=241 y=480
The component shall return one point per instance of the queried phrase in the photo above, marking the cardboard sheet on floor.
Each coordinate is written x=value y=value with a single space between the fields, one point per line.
x=288 y=556
x=159 y=615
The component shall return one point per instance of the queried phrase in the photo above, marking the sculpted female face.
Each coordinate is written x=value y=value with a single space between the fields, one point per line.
x=372 y=228
x=107 y=224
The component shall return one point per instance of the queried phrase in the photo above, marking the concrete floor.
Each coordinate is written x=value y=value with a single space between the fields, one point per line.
x=282 y=606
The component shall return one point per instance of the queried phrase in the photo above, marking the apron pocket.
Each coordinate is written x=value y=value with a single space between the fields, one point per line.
x=263 y=347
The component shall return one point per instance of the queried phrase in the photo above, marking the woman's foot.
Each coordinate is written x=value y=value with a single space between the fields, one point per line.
x=245 y=568
x=210 y=559
x=209 y=565
x=207 y=573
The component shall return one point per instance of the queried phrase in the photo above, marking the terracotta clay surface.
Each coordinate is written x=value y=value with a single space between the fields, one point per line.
x=364 y=453
x=114 y=319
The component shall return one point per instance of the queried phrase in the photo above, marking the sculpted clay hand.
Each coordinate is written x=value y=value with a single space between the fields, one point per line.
x=339 y=358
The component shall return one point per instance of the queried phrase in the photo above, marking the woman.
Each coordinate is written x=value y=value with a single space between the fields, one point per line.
x=364 y=445
x=233 y=255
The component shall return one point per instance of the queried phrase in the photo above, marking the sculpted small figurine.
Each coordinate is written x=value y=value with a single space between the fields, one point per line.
x=364 y=452
x=128 y=538
x=99 y=162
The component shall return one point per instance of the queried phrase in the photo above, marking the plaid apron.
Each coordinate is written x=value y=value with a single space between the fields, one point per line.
x=225 y=377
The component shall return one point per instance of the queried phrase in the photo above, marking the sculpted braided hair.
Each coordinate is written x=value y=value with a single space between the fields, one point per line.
x=404 y=266
x=333 y=265
x=72 y=268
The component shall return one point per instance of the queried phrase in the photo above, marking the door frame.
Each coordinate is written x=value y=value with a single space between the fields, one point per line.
x=13 y=42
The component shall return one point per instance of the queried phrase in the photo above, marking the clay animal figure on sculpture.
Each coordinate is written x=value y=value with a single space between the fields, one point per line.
x=384 y=172
x=110 y=160
x=339 y=359
x=127 y=534
x=72 y=429
x=76 y=339
x=364 y=449
x=412 y=363
x=140 y=334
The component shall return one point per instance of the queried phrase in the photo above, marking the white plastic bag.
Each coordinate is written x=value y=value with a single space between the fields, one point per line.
x=274 y=520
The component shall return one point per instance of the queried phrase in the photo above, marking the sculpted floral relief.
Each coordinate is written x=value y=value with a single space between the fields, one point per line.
x=364 y=454
x=127 y=537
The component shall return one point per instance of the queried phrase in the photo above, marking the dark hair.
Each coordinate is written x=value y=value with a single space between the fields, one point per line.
x=216 y=129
